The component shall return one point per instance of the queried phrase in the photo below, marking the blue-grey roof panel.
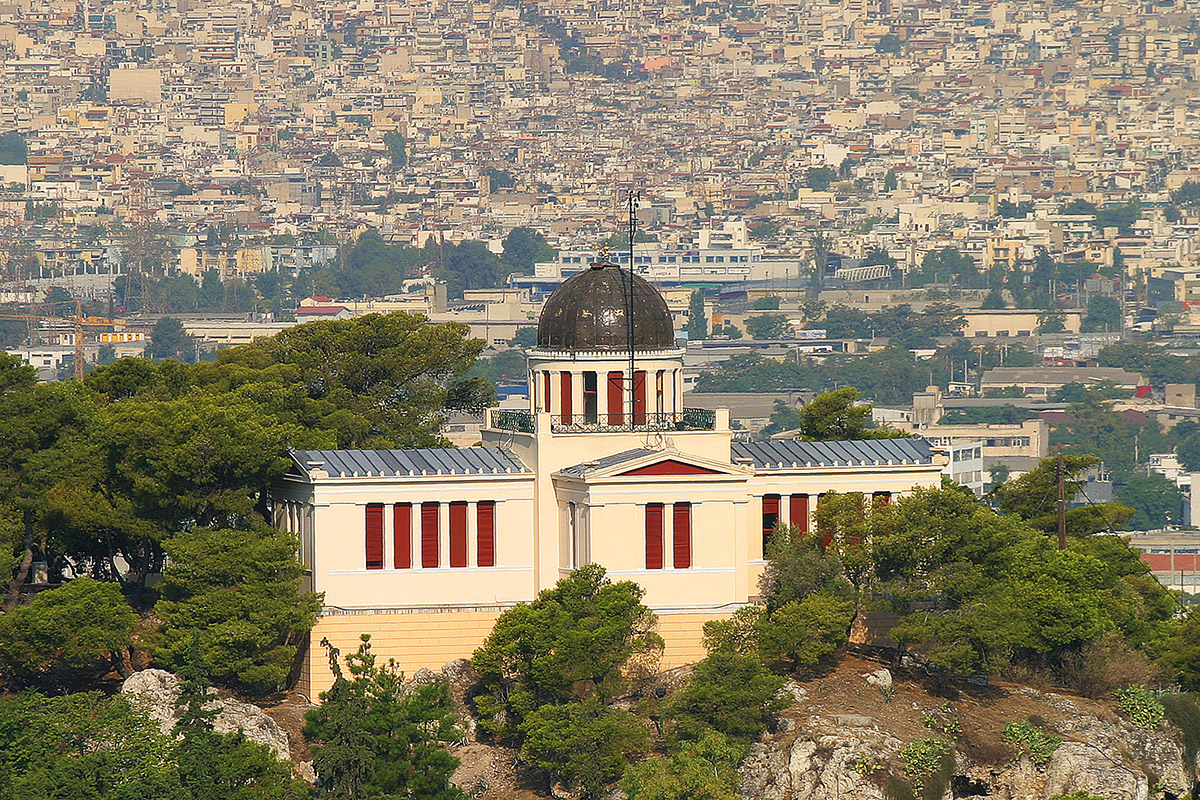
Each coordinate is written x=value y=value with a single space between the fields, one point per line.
x=427 y=461
x=859 y=452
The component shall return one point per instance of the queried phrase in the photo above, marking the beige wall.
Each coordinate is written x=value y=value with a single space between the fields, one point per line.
x=431 y=639
x=1010 y=322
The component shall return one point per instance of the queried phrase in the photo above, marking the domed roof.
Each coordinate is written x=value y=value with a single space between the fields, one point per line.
x=587 y=312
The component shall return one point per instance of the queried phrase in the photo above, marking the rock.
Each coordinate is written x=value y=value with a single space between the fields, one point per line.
x=797 y=691
x=306 y=772
x=852 y=720
x=1083 y=767
x=880 y=677
x=156 y=691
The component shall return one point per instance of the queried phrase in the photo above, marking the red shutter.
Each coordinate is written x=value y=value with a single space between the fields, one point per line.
x=770 y=514
x=798 y=512
x=546 y=390
x=654 y=536
x=616 y=399
x=429 y=535
x=402 y=535
x=375 y=536
x=458 y=534
x=639 y=398
x=683 y=535
x=564 y=399
x=485 y=532
x=882 y=498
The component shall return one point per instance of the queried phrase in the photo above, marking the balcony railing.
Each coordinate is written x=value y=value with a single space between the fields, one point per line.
x=690 y=419
x=513 y=420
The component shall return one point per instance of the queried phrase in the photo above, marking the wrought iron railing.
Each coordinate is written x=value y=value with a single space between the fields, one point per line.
x=690 y=419
x=507 y=419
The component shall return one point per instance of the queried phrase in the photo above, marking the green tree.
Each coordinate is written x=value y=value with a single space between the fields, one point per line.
x=397 y=148
x=1034 y=498
x=83 y=626
x=1051 y=321
x=768 y=303
x=583 y=629
x=697 y=325
x=806 y=630
x=768 y=326
x=585 y=743
x=1103 y=314
x=84 y=746
x=241 y=590
x=702 y=770
x=819 y=178
x=1188 y=194
x=732 y=694
x=1156 y=502
x=993 y=300
x=1182 y=652
x=949 y=264
x=524 y=247
x=838 y=415
x=373 y=738
x=524 y=338
x=169 y=340
x=891 y=44
x=13 y=149
x=890 y=181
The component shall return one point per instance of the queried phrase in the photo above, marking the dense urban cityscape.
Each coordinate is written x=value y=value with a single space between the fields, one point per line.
x=581 y=399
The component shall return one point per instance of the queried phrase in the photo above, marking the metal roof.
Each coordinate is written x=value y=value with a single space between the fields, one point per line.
x=855 y=453
x=425 y=461
x=607 y=461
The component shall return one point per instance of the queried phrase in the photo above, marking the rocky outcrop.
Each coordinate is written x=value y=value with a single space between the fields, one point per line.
x=843 y=740
x=156 y=691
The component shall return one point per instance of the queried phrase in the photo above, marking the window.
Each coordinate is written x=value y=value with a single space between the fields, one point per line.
x=485 y=533
x=458 y=534
x=565 y=397
x=429 y=535
x=770 y=516
x=654 y=536
x=616 y=399
x=798 y=511
x=682 y=538
x=402 y=535
x=881 y=498
x=591 y=406
x=375 y=536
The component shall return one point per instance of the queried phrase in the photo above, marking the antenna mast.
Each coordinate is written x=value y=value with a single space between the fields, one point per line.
x=633 y=199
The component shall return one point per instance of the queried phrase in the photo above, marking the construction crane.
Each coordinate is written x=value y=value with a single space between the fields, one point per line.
x=78 y=321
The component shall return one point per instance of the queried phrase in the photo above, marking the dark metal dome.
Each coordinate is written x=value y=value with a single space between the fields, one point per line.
x=587 y=312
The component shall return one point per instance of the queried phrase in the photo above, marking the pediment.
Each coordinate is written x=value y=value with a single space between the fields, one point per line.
x=670 y=466
x=650 y=464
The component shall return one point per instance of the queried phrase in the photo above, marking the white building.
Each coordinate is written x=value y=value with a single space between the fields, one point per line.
x=423 y=549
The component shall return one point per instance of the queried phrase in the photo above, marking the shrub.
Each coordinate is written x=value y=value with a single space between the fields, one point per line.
x=1105 y=664
x=1183 y=710
x=82 y=625
x=1029 y=738
x=928 y=763
x=1142 y=708
x=732 y=694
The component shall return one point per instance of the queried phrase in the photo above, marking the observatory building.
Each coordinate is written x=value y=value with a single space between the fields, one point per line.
x=424 y=549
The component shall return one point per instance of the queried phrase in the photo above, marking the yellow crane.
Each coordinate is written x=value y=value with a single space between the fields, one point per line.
x=78 y=321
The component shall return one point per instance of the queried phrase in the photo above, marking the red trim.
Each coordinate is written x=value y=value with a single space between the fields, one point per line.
x=682 y=539
x=374 y=544
x=616 y=399
x=671 y=466
x=458 y=534
x=429 y=535
x=564 y=399
x=654 y=536
x=402 y=535
x=798 y=512
x=485 y=533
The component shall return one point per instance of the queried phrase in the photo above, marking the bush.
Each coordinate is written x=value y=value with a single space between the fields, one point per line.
x=925 y=763
x=586 y=743
x=1183 y=710
x=705 y=769
x=82 y=625
x=1142 y=708
x=241 y=590
x=1029 y=738
x=1105 y=664
x=728 y=693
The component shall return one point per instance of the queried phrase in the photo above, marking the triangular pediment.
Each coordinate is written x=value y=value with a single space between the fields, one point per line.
x=649 y=464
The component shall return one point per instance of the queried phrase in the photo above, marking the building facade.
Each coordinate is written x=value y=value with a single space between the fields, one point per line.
x=424 y=549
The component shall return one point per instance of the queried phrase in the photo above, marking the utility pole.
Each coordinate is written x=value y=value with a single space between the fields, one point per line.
x=1062 y=505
